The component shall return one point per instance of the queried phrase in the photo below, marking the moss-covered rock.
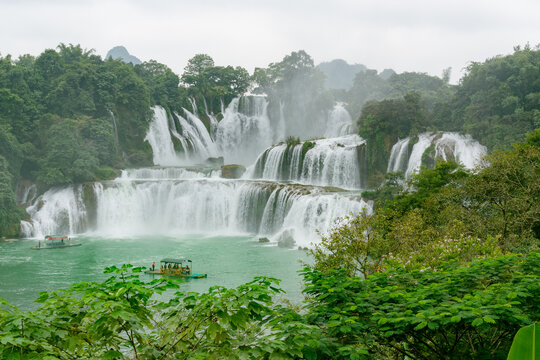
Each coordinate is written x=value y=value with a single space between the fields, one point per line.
x=232 y=171
x=106 y=173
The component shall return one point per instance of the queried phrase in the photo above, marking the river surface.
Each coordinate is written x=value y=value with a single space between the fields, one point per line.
x=228 y=261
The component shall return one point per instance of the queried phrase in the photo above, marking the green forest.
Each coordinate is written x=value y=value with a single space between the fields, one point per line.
x=447 y=265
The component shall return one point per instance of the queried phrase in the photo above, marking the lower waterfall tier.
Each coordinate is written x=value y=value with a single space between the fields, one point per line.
x=132 y=207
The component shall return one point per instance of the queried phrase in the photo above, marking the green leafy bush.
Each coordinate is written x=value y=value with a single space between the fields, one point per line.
x=292 y=141
x=454 y=312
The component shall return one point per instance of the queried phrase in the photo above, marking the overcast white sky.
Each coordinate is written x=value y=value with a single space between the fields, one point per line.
x=406 y=35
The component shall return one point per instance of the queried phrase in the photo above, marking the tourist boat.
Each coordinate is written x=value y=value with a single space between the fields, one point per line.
x=175 y=267
x=54 y=242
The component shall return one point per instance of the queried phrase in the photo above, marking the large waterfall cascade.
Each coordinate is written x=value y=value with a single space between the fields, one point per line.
x=170 y=201
x=174 y=198
x=242 y=134
x=445 y=146
x=177 y=196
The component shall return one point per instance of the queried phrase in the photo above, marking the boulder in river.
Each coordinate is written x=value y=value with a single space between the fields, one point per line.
x=232 y=171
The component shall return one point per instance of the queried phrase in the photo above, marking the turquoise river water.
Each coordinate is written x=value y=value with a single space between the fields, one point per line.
x=228 y=261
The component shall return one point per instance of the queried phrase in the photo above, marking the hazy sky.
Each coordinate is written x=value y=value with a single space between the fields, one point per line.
x=406 y=35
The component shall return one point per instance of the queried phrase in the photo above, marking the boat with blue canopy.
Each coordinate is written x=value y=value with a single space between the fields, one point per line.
x=179 y=267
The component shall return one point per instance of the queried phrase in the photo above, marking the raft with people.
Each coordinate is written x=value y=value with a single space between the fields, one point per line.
x=175 y=267
x=55 y=242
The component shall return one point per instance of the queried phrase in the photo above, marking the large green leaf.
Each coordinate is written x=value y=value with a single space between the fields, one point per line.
x=526 y=345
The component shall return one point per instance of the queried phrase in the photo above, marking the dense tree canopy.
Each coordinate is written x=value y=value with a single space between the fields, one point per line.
x=212 y=84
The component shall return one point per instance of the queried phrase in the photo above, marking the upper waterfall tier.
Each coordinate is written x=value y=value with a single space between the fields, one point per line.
x=242 y=134
x=138 y=204
x=337 y=162
x=245 y=130
x=339 y=122
x=432 y=146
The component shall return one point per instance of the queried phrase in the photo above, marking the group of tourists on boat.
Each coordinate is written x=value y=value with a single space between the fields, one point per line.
x=54 y=241
x=177 y=267
x=174 y=268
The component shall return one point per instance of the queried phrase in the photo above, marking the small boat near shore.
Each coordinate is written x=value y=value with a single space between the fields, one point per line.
x=55 y=242
x=182 y=268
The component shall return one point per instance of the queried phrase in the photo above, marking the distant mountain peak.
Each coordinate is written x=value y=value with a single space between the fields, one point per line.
x=120 y=52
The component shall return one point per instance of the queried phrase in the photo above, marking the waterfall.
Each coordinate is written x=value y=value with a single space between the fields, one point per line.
x=197 y=145
x=58 y=211
x=194 y=130
x=415 y=160
x=399 y=156
x=244 y=130
x=463 y=148
x=164 y=173
x=171 y=201
x=26 y=192
x=446 y=146
x=339 y=122
x=159 y=138
x=309 y=215
x=330 y=162
x=113 y=120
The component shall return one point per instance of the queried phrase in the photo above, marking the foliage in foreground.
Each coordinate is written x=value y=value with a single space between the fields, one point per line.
x=120 y=318
x=466 y=312
x=443 y=214
x=526 y=344
x=454 y=312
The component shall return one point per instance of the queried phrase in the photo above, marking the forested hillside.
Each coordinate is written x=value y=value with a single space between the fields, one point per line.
x=496 y=102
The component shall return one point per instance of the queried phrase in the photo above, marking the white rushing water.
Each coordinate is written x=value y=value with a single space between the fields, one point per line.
x=447 y=146
x=415 y=160
x=194 y=131
x=244 y=130
x=331 y=162
x=339 y=122
x=195 y=140
x=59 y=210
x=399 y=156
x=160 y=140
x=165 y=173
x=148 y=201
x=463 y=148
